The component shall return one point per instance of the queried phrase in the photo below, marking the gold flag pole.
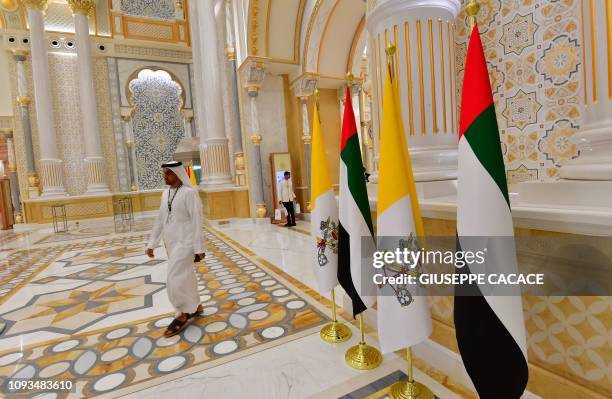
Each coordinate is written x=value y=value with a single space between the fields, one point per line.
x=335 y=332
x=361 y=356
x=409 y=389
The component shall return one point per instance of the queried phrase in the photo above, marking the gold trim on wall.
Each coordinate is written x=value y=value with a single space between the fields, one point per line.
x=267 y=38
x=434 y=101
x=584 y=70
x=409 y=78
x=172 y=26
x=421 y=88
x=252 y=27
x=593 y=51
x=397 y=68
x=442 y=67
x=38 y=211
x=451 y=76
x=609 y=44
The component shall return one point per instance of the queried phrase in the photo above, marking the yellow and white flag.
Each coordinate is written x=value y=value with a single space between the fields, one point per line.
x=403 y=316
x=324 y=214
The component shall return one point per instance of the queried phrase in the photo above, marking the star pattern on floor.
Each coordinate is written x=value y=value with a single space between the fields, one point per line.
x=72 y=310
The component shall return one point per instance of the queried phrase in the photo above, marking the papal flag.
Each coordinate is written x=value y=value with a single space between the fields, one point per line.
x=403 y=314
x=356 y=233
x=324 y=213
x=192 y=176
x=490 y=329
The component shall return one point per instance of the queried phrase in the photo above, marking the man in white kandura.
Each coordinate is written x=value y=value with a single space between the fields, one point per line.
x=179 y=223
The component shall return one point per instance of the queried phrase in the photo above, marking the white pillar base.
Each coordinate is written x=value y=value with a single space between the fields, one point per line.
x=51 y=179
x=96 y=176
x=595 y=160
x=434 y=163
x=214 y=156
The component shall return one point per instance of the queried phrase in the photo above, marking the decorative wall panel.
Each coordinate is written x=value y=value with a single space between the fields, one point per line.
x=105 y=121
x=157 y=123
x=162 y=9
x=533 y=49
x=120 y=150
x=58 y=18
x=68 y=124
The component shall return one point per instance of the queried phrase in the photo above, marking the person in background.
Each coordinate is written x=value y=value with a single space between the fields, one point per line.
x=179 y=224
x=287 y=196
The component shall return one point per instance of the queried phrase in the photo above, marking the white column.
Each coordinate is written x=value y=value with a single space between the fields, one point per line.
x=423 y=35
x=129 y=145
x=94 y=157
x=304 y=88
x=51 y=177
x=214 y=149
x=257 y=188
x=594 y=140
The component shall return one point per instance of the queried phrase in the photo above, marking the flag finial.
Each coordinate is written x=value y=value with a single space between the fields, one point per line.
x=350 y=77
x=471 y=10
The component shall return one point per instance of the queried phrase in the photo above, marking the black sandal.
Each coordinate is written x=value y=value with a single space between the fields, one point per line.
x=177 y=325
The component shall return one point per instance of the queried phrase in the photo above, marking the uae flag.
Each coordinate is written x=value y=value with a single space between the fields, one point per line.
x=324 y=214
x=403 y=313
x=356 y=234
x=490 y=329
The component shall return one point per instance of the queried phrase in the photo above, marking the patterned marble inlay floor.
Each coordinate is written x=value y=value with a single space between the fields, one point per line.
x=247 y=308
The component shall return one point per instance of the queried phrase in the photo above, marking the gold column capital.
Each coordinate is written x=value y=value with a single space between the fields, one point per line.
x=83 y=7
x=36 y=4
x=256 y=138
x=20 y=52
x=24 y=100
x=253 y=90
x=230 y=53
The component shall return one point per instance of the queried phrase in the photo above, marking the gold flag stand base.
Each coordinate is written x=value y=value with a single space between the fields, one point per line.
x=363 y=356
x=335 y=332
x=410 y=389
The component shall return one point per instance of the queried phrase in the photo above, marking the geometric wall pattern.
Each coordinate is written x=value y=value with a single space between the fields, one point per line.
x=533 y=50
x=162 y=9
x=157 y=124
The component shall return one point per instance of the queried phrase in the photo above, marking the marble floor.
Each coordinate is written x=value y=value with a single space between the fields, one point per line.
x=89 y=307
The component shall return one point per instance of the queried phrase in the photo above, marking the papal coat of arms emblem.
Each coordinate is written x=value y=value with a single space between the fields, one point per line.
x=328 y=239
x=403 y=295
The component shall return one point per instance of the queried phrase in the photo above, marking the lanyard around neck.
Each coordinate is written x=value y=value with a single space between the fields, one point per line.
x=171 y=200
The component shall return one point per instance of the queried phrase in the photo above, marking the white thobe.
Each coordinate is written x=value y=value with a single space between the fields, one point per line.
x=181 y=231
